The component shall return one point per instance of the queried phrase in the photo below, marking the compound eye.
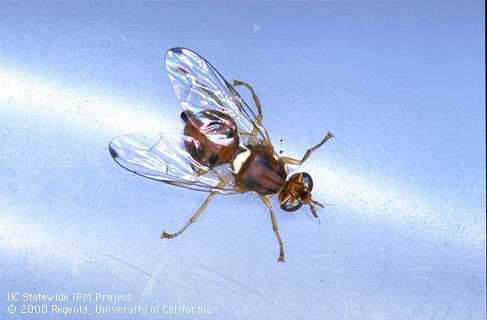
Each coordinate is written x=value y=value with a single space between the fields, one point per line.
x=304 y=179
x=292 y=204
x=307 y=181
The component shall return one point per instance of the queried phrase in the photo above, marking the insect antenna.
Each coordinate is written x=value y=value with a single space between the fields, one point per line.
x=313 y=210
x=316 y=203
x=313 y=205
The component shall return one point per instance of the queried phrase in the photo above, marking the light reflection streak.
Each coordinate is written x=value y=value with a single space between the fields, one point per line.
x=31 y=97
x=375 y=200
x=28 y=95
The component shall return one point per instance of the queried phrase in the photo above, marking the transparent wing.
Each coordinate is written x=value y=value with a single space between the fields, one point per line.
x=163 y=158
x=199 y=86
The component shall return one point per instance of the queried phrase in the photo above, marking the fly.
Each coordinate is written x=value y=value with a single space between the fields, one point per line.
x=224 y=149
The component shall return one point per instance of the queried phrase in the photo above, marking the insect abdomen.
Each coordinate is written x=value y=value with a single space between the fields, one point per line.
x=211 y=137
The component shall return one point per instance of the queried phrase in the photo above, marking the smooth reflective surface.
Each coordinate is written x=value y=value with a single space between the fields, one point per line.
x=401 y=85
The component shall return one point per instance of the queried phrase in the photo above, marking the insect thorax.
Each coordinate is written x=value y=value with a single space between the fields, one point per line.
x=258 y=169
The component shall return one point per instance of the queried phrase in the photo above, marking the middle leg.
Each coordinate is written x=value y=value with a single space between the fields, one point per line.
x=200 y=210
x=258 y=120
x=191 y=220
x=254 y=96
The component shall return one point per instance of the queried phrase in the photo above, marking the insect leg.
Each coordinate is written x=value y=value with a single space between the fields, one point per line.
x=191 y=220
x=222 y=183
x=293 y=161
x=254 y=96
x=258 y=120
x=274 y=227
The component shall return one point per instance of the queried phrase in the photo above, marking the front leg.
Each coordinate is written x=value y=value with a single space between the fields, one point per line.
x=274 y=227
x=308 y=152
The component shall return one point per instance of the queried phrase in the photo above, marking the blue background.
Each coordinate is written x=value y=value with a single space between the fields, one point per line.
x=400 y=84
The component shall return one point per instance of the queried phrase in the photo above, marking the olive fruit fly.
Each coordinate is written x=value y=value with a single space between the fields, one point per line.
x=224 y=149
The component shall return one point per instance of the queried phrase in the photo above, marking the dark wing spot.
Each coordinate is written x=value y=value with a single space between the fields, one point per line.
x=184 y=117
x=113 y=152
